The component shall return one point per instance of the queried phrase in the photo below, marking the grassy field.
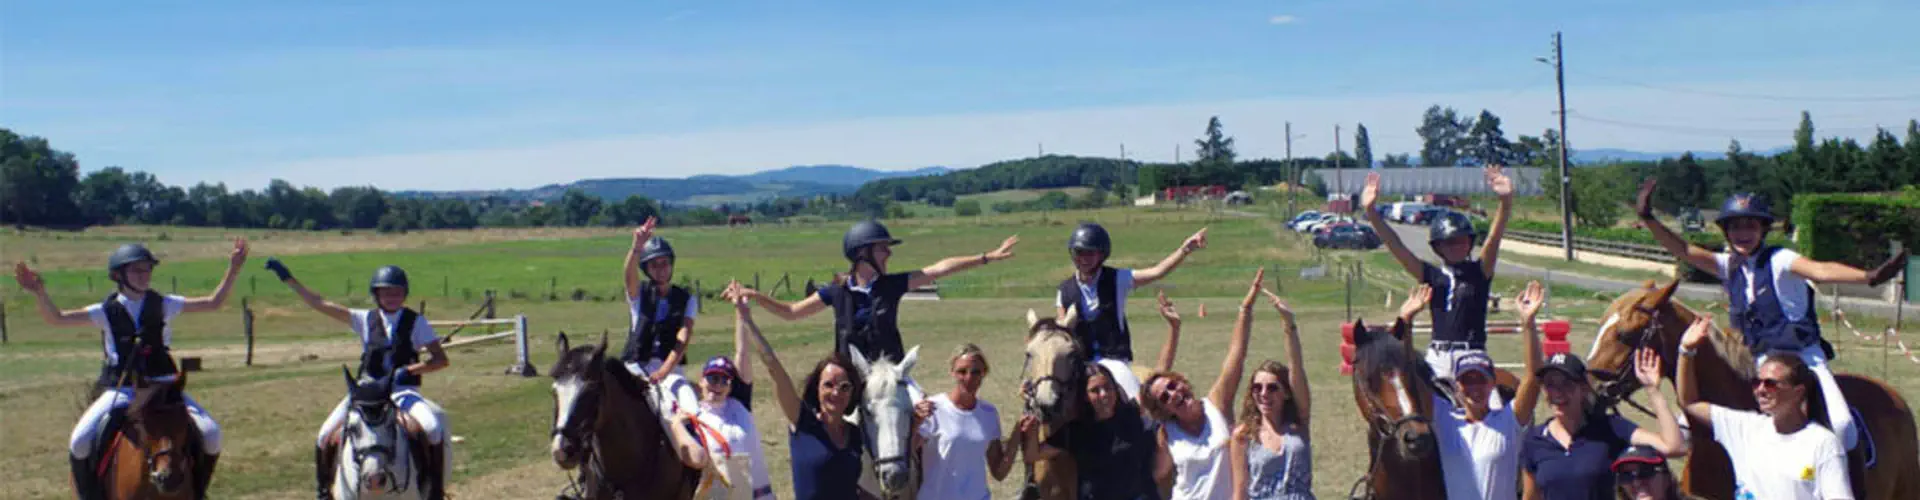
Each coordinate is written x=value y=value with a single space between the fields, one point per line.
x=1020 y=195
x=271 y=410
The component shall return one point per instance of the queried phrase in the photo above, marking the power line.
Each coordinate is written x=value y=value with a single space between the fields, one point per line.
x=1741 y=95
x=1685 y=129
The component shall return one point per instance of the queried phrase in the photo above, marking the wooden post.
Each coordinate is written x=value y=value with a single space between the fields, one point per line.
x=89 y=283
x=246 y=325
x=3 y=322
x=176 y=283
x=446 y=289
x=553 y=288
x=489 y=304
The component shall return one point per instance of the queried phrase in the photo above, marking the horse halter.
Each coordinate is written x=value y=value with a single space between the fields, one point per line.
x=1076 y=375
x=373 y=416
x=1383 y=432
x=1616 y=388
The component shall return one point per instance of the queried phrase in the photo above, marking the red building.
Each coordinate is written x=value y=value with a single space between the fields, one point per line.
x=1185 y=193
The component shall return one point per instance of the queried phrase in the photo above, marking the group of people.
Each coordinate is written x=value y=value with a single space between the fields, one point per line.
x=1137 y=438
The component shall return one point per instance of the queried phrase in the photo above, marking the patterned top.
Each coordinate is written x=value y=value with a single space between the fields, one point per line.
x=1283 y=475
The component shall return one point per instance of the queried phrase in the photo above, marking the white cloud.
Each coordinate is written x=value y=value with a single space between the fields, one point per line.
x=1282 y=19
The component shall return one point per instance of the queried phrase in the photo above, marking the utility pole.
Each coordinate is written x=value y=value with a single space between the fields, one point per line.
x=1292 y=174
x=1566 y=180
x=1339 y=178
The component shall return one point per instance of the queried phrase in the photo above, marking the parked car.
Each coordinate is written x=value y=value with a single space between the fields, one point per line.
x=1315 y=226
x=1353 y=236
x=1306 y=225
x=1426 y=216
x=1302 y=217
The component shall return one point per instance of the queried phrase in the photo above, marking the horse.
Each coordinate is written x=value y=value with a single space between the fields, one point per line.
x=1884 y=466
x=378 y=456
x=887 y=416
x=1054 y=391
x=739 y=220
x=153 y=454
x=1392 y=389
x=604 y=426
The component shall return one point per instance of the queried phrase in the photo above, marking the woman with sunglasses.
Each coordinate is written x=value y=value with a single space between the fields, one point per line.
x=824 y=447
x=1777 y=453
x=1641 y=472
x=1196 y=430
x=1567 y=457
x=1480 y=439
x=726 y=408
x=1272 y=453
x=962 y=435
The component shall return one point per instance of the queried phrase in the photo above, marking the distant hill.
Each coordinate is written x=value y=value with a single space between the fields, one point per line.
x=809 y=180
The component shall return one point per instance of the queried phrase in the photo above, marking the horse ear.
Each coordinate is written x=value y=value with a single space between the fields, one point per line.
x=1033 y=318
x=1072 y=317
x=859 y=360
x=348 y=375
x=1648 y=284
x=1661 y=296
x=913 y=356
x=601 y=350
x=560 y=344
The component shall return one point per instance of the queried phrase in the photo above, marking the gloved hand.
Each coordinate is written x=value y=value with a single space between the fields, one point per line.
x=1888 y=269
x=399 y=373
x=280 y=270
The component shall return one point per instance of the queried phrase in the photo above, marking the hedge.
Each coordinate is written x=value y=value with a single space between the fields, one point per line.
x=1856 y=229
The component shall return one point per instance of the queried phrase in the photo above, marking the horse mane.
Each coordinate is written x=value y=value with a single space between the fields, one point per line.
x=634 y=386
x=1727 y=342
x=162 y=396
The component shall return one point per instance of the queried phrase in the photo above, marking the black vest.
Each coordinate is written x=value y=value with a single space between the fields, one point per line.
x=399 y=351
x=1763 y=322
x=877 y=337
x=1103 y=332
x=656 y=339
x=142 y=350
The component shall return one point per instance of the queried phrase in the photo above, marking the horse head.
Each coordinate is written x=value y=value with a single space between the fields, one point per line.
x=578 y=383
x=158 y=424
x=372 y=435
x=1392 y=391
x=887 y=415
x=1643 y=318
x=1055 y=368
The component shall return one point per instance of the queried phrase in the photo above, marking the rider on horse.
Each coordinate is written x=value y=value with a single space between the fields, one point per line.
x=661 y=327
x=1461 y=284
x=1769 y=298
x=866 y=304
x=135 y=322
x=1100 y=293
x=391 y=337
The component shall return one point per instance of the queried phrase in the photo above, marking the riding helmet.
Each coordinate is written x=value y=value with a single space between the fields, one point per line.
x=865 y=233
x=1449 y=225
x=128 y=254
x=1090 y=236
x=387 y=276
x=655 y=248
x=1745 y=205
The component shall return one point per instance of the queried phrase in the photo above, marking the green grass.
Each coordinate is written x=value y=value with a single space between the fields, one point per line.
x=1020 y=195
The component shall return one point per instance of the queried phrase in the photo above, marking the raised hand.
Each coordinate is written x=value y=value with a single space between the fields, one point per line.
x=1005 y=251
x=1498 y=181
x=1166 y=308
x=1417 y=299
x=644 y=232
x=1646 y=367
x=1370 y=193
x=1279 y=305
x=28 y=279
x=239 y=256
x=1888 y=269
x=1259 y=278
x=1531 y=300
x=1643 y=203
x=1697 y=332
x=1196 y=242
x=279 y=269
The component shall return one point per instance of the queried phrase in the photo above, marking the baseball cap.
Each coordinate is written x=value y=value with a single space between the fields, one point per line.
x=1473 y=361
x=720 y=365
x=1639 y=454
x=1565 y=363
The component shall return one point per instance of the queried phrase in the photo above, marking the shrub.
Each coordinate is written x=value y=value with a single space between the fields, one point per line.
x=1856 y=228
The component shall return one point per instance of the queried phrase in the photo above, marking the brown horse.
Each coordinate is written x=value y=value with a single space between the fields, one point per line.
x=1393 y=392
x=739 y=220
x=153 y=454
x=604 y=426
x=1649 y=318
x=1054 y=391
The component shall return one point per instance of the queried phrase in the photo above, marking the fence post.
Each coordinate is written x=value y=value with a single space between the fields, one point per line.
x=246 y=325
x=89 y=283
x=3 y=321
x=446 y=289
x=756 y=280
x=521 y=365
x=176 y=283
x=553 y=288
x=253 y=285
x=489 y=304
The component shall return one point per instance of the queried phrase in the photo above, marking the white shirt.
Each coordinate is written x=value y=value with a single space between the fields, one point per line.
x=1808 y=464
x=1090 y=295
x=1480 y=460
x=170 y=307
x=1200 y=460
x=735 y=424
x=423 y=333
x=1788 y=288
x=954 y=460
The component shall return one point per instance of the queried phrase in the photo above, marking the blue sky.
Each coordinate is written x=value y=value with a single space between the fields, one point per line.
x=512 y=94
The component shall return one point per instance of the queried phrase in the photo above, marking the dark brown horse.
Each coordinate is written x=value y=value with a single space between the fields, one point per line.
x=739 y=220
x=1393 y=392
x=1054 y=391
x=604 y=426
x=153 y=455
x=1649 y=318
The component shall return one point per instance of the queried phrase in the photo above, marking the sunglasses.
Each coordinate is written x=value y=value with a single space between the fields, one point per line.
x=718 y=379
x=841 y=386
x=1264 y=388
x=969 y=371
x=1771 y=384
x=1637 y=473
x=1166 y=395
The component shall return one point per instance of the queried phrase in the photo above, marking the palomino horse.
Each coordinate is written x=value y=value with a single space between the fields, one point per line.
x=153 y=456
x=603 y=425
x=1649 y=318
x=1055 y=392
x=1392 y=389
x=377 y=458
x=887 y=416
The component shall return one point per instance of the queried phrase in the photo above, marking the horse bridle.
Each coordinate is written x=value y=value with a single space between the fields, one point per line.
x=576 y=485
x=1616 y=388
x=1383 y=432
x=390 y=418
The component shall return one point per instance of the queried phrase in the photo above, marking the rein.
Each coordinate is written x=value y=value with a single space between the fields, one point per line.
x=384 y=450
x=1383 y=432
x=1616 y=388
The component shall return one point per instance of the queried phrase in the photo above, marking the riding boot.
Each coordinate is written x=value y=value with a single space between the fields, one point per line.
x=86 y=484
x=323 y=471
x=203 y=474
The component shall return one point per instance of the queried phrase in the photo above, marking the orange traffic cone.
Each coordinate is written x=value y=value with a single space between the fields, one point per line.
x=1203 y=310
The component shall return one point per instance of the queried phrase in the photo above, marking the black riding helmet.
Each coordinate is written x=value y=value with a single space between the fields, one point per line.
x=127 y=254
x=387 y=276
x=655 y=248
x=1090 y=236
x=1741 y=205
x=1449 y=225
x=861 y=235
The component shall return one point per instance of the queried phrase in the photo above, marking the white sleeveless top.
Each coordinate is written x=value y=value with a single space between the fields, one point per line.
x=1200 y=460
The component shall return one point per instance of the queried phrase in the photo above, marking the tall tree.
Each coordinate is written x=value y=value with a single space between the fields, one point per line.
x=1362 y=146
x=1216 y=148
x=1486 y=144
x=1442 y=136
x=1396 y=161
x=1885 y=164
x=1742 y=172
x=577 y=207
x=1913 y=153
x=37 y=183
x=105 y=196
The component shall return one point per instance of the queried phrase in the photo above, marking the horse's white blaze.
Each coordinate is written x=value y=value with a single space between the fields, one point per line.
x=565 y=393
x=1605 y=328
x=890 y=409
x=1400 y=390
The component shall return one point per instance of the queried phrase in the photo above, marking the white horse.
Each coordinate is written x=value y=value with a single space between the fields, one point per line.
x=887 y=416
x=376 y=458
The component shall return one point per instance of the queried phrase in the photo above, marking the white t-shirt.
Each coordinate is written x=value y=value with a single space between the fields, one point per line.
x=735 y=423
x=1808 y=464
x=1200 y=460
x=955 y=457
x=423 y=333
x=1788 y=288
x=170 y=308
x=1480 y=460
x=1090 y=295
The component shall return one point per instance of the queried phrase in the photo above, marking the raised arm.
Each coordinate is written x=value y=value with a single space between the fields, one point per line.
x=1835 y=272
x=949 y=266
x=30 y=281
x=1646 y=367
x=1226 y=387
x=632 y=270
x=790 y=311
x=1699 y=412
x=783 y=388
x=742 y=336
x=1368 y=196
x=1296 y=368
x=331 y=310
x=235 y=260
x=1699 y=258
x=1172 y=346
x=1527 y=398
x=1417 y=299
x=1166 y=266
x=1502 y=186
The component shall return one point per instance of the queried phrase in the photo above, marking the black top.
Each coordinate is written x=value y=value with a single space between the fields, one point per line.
x=380 y=361
x=821 y=471
x=142 y=349
x=1583 y=469
x=651 y=339
x=868 y=319
x=1115 y=456
x=1459 y=303
x=1102 y=332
